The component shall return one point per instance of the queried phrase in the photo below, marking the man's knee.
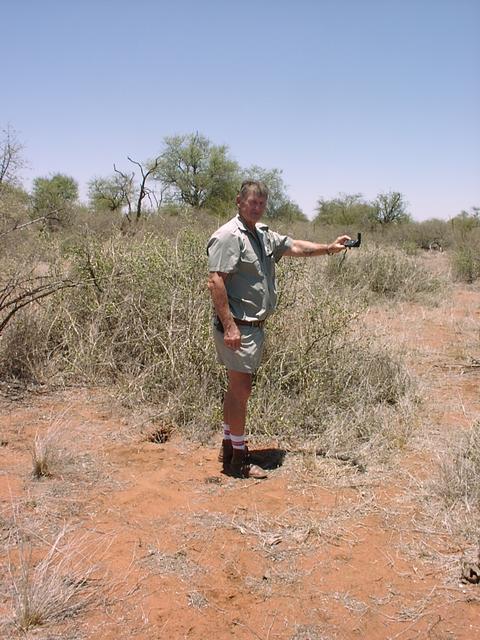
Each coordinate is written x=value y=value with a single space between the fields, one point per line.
x=240 y=385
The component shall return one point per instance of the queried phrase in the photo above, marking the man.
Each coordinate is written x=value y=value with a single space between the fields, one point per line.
x=241 y=258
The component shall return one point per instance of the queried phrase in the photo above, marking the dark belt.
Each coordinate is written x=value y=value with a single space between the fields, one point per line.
x=248 y=323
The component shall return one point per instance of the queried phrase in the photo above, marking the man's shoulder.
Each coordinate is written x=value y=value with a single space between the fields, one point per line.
x=261 y=226
x=230 y=228
x=265 y=229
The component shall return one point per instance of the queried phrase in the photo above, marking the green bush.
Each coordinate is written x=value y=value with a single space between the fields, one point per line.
x=465 y=260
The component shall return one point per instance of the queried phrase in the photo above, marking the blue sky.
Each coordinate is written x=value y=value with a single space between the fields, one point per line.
x=344 y=96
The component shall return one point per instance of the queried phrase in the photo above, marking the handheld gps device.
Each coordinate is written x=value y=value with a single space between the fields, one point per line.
x=354 y=243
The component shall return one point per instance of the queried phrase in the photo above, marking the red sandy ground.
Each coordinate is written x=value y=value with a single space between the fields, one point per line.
x=316 y=552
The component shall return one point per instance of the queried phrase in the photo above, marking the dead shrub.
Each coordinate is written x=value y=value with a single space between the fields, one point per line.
x=143 y=324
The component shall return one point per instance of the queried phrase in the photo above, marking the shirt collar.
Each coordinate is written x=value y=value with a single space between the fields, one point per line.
x=260 y=226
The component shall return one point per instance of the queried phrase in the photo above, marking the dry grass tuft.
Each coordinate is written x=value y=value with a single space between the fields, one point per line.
x=459 y=478
x=46 y=452
x=57 y=586
x=44 y=457
x=457 y=483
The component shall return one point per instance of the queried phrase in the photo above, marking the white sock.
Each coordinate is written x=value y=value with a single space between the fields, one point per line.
x=226 y=431
x=238 y=442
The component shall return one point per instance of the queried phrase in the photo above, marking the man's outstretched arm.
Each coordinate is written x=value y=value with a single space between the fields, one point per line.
x=307 y=249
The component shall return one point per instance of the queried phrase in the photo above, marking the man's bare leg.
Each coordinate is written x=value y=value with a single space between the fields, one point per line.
x=235 y=401
x=234 y=414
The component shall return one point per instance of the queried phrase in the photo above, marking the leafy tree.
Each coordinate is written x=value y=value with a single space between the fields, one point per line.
x=471 y=219
x=279 y=204
x=54 y=197
x=465 y=221
x=390 y=208
x=110 y=194
x=198 y=173
x=344 y=210
x=290 y=211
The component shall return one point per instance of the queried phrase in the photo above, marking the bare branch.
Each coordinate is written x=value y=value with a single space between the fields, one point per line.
x=18 y=227
x=126 y=187
x=144 y=191
x=25 y=298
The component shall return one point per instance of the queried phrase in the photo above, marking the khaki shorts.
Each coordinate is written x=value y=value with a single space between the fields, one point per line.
x=247 y=358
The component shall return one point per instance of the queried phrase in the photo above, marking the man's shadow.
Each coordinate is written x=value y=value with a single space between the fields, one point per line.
x=267 y=458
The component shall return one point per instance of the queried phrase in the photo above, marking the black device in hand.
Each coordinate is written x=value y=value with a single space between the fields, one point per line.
x=354 y=243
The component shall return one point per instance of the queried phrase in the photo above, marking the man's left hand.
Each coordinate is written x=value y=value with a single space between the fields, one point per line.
x=338 y=245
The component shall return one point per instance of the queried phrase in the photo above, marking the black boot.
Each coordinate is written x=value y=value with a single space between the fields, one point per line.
x=240 y=467
x=225 y=454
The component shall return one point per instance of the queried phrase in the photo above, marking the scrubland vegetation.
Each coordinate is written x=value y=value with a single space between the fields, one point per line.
x=113 y=294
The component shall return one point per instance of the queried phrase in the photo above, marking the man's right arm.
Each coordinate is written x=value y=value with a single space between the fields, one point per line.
x=218 y=292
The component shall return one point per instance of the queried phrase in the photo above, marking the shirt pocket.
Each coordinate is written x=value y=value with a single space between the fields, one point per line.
x=250 y=262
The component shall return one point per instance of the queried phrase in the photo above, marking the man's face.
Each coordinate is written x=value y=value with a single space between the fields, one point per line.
x=251 y=208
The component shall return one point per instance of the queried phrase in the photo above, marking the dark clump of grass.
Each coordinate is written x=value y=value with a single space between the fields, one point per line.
x=159 y=435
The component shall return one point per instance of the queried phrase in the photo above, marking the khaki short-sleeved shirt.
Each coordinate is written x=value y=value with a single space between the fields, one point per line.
x=249 y=260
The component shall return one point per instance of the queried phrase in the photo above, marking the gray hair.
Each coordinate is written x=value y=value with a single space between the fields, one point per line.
x=259 y=188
